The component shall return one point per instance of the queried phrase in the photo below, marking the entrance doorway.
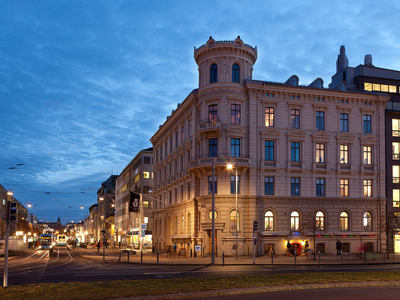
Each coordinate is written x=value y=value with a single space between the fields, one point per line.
x=210 y=242
x=296 y=247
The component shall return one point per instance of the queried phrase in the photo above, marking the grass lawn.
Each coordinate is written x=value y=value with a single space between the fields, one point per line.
x=134 y=288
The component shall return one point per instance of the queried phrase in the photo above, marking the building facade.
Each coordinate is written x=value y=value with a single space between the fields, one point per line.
x=306 y=170
x=106 y=209
x=369 y=78
x=137 y=177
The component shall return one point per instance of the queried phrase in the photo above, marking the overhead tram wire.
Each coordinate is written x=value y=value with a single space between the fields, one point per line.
x=43 y=192
x=12 y=166
x=20 y=163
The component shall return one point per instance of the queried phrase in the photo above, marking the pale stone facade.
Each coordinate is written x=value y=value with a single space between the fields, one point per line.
x=289 y=143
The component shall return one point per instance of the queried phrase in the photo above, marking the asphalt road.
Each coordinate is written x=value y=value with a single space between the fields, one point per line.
x=68 y=266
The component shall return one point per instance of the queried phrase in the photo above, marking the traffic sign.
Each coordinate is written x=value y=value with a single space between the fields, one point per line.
x=197 y=248
x=143 y=232
x=143 y=226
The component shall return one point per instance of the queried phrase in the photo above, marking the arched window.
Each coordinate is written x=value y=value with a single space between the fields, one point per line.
x=294 y=81
x=320 y=221
x=213 y=73
x=319 y=84
x=367 y=221
x=235 y=73
x=233 y=222
x=344 y=221
x=342 y=87
x=294 y=221
x=269 y=221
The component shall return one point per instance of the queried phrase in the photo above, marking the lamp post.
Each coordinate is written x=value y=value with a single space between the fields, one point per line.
x=213 y=215
x=236 y=197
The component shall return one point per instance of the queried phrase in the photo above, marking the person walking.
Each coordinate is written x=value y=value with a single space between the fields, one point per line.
x=338 y=247
x=98 y=246
x=174 y=247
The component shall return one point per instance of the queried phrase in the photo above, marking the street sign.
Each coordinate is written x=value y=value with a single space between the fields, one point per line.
x=143 y=226
x=197 y=248
x=143 y=232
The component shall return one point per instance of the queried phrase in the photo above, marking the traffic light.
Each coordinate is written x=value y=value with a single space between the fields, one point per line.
x=255 y=225
x=11 y=211
x=134 y=202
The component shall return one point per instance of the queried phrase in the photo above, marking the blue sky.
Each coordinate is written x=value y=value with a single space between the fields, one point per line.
x=85 y=84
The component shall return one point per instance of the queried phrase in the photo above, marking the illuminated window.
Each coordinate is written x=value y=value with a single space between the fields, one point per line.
x=213 y=113
x=396 y=127
x=232 y=221
x=269 y=117
x=396 y=151
x=367 y=188
x=392 y=89
x=367 y=155
x=384 y=88
x=376 y=87
x=396 y=174
x=269 y=221
x=367 y=86
x=344 y=187
x=320 y=221
x=215 y=215
x=146 y=174
x=367 y=221
x=235 y=114
x=145 y=204
x=344 y=154
x=344 y=221
x=320 y=153
x=294 y=221
x=396 y=198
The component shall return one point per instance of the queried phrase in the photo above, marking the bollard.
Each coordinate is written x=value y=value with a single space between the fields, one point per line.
x=128 y=255
x=119 y=255
x=319 y=257
x=341 y=252
x=141 y=256
x=158 y=254
x=272 y=257
x=362 y=256
x=223 y=258
x=295 y=255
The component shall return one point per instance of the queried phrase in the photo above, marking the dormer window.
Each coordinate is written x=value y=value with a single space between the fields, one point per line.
x=235 y=73
x=319 y=84
x=294 y=81
x=213 y=73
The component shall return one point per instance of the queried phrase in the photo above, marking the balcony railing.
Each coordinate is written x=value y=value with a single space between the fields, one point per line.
x=206 y=160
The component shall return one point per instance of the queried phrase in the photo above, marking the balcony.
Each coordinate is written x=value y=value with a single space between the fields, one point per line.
x=200 y=163
x=209 y=126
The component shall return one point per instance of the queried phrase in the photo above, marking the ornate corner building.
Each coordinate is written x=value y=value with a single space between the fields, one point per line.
x=301 y=154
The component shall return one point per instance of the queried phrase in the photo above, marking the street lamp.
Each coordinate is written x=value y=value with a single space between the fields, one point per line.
x=230 y=166
x=213 y=215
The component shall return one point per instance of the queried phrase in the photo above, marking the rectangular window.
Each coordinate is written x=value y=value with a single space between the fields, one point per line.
x=146 y=160
x=146 y=204
x=392 y=89
x=235 y=147
x=295 y=151
x=367 y=188
x=213 y=147
x=295 y=118
x=146 y=174
x=396 y=151
x=233 y=184
x=367 y=124
x=269 y=117
x=176 y=139
x=161 y=153
x=210 y=187
x=396 y=127
x=190 y=128
x=295 y=187
x=269 y=186
x=170 y=144
x=183 y=134
x=320 y=120
x=344 y=122
x=320 y=187
x=396 y=198
x=396 y=174
x=344 y=154
x=367 y=155
x=367 y=86
x=344 y=187
x=213 y=113
x=269 y=150
x=235 y=114
x=320 y=153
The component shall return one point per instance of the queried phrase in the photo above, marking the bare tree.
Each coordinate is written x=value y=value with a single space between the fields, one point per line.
x=310 y=225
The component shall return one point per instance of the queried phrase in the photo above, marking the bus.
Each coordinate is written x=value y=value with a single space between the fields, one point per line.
x=46 y=241
x=61 y=240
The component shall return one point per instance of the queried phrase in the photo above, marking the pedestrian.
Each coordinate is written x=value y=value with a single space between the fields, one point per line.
x=174 y=247
x=98 y=246
x=119 y=244
x=338 y=247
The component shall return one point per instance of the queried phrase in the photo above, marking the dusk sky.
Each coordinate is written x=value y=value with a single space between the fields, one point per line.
x=85 y=84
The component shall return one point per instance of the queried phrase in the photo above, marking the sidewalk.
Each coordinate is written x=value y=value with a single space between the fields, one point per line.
x=151 y=258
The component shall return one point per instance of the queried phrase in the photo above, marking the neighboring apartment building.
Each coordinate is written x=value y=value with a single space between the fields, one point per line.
x=92 y=220
x=373 y=79
x=106 y=209
x=301 y=154
x=137 y=177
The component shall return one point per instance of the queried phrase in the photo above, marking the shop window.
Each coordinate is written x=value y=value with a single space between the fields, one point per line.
x=320 y=248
